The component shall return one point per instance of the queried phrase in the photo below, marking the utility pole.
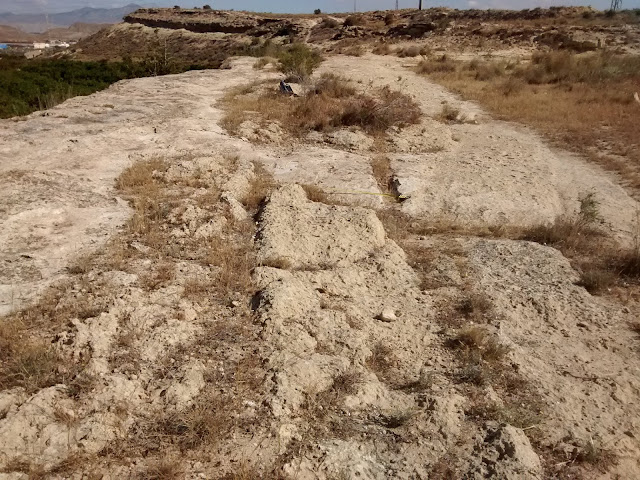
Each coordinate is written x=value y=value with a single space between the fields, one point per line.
x=396 y=4
x=420 y=5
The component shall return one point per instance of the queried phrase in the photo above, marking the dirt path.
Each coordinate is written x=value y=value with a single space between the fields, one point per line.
x=486 y=170
x=58 y=168
x=352 y=359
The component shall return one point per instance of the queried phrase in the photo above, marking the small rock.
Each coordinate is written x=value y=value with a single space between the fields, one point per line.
x=387 y=315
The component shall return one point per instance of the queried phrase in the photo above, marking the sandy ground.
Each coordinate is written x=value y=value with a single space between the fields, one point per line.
x=337 y=297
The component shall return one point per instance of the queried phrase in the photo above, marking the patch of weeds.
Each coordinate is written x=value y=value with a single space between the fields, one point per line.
x=444 y=469
x=159 y=276
x=593 y=453
x=422 y=384
x=568 y=234
x=520 y=415
x=442 y=64
x=474 y=305
x=20 y=465
x=315 y=193
x=626 y=262
x=206 y=422
x=347 y=383
x=391 y=108
x=27 y=361
x=321 y=405
x=234 y=260
x=382 y=49
x=382 y=361
x=472 y=373
x=479 y=340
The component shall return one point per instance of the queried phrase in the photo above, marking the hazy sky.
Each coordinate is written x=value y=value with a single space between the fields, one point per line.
x=53 y=6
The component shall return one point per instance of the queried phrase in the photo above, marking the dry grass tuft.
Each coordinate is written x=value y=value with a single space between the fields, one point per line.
x=382 y=172
x=474 y=305
x=626 y=262
x=481 y=355
x=382 y=48
x=315 y=193
x=28 y=357
x=377 y=115
x=450 y=114
x=347 y=383
x=206 y=422
x=235 y=260
x=576 y=233
x=593 y=453
x=163 y=469
x=138 y=179
x=596 y=279
x=333 y=86
x=477 y=340
x=262 y=183
x=395 y=419
x=81 y=265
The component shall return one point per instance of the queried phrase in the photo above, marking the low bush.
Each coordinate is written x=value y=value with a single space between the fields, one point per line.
x=353 y=21
x=328 y=22
x=330 y=103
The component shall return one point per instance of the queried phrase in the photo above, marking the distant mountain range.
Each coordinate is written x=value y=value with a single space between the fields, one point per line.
x=39 y=22
x=77 y=31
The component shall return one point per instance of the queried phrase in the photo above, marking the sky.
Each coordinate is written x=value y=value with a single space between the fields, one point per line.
x=299 y=6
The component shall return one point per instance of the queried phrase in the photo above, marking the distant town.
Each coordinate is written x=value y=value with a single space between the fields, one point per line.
x=33 y=49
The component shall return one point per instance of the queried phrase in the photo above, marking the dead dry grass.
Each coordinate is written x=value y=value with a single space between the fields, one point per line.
x=584 y=102
x=261 y=184
x=329 y=103
x=382 y=361
x=382 y=172
x=28 y=355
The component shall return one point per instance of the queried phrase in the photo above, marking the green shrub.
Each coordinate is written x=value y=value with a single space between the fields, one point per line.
x=298 y=61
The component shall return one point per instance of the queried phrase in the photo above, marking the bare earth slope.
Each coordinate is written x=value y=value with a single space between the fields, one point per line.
x=346 y=364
